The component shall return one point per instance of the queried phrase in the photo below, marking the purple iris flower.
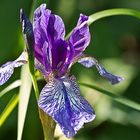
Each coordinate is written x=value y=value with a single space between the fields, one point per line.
x=54 y=56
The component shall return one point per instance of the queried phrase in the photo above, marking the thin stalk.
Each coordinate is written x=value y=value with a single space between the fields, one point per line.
x=10 y=87
x=48 y=124
x=115 y=97
x=113 y=12
x=9 y=108
x=108 y=13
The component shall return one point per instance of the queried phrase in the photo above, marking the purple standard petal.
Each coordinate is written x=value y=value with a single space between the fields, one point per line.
x=52 y=25
x=41 y=68
x=80 y=37
x=91 y=61
x=7 y=69
x=48 y=29
x=47 y=57
x=40 y=24
x=59 y=54
x=61 y=99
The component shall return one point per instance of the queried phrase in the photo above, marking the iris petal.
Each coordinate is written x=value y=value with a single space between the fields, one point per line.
x=41 y=68
x=91 y=61
x=51 y=24
x=61 y=99
x=49 y=30
x=87 y=62
x=80 y=37
x=5 y=72
x=112 y=78
x=27 y=30
x=7 y=69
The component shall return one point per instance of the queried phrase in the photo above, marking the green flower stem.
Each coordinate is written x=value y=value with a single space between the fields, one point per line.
x=12 y=86
x=9 y=108
x=113 y=12
x=32 y=74
x=108 y=13
x=35 y=85
x=115 y=97
x=48 y=125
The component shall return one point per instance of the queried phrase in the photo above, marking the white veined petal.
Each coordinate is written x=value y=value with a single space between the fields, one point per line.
x=61 y=99
x=7 y=69
x=91 y=61
x=87 y=62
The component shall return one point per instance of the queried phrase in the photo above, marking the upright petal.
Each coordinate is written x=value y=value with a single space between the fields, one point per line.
x=59 y=54
x=48 y=29
x=48 y=26
x=41 y=68
x=27 y=30
x=61 y=99
x=80 y=37
x=40 y=24
x=91 y=61
x=47 y=57
x=7 y=69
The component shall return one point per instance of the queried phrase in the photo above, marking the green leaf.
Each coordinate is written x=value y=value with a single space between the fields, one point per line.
x=110 y=12
x=24 y=95
x=115 y=97
x=48 y=125
x=113 y=12
x=9 y=108
x=10 y=87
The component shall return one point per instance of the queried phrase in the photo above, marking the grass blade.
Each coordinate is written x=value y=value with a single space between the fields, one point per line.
x=113 y=12
x=24 y=96
x=9 y=108
x=10 y=87
x=115 y=97
x=110 y=12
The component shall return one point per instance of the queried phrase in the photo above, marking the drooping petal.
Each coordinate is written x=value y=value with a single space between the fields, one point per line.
x=80 y=37
x=88 y=62
x=91 y=61
x=61 y=99
x=112 y=78
x=7 y=69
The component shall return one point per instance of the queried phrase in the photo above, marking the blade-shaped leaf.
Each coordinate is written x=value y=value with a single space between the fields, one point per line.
x=113 y=12
x=115 y=97
x=110 y=12
x=10 y=87
x=9 y=108
x=24 y=96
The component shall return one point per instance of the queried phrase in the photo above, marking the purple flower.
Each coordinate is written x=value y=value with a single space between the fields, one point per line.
x=54 y=56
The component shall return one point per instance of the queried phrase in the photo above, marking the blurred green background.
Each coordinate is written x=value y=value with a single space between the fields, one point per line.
x=115 y=43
